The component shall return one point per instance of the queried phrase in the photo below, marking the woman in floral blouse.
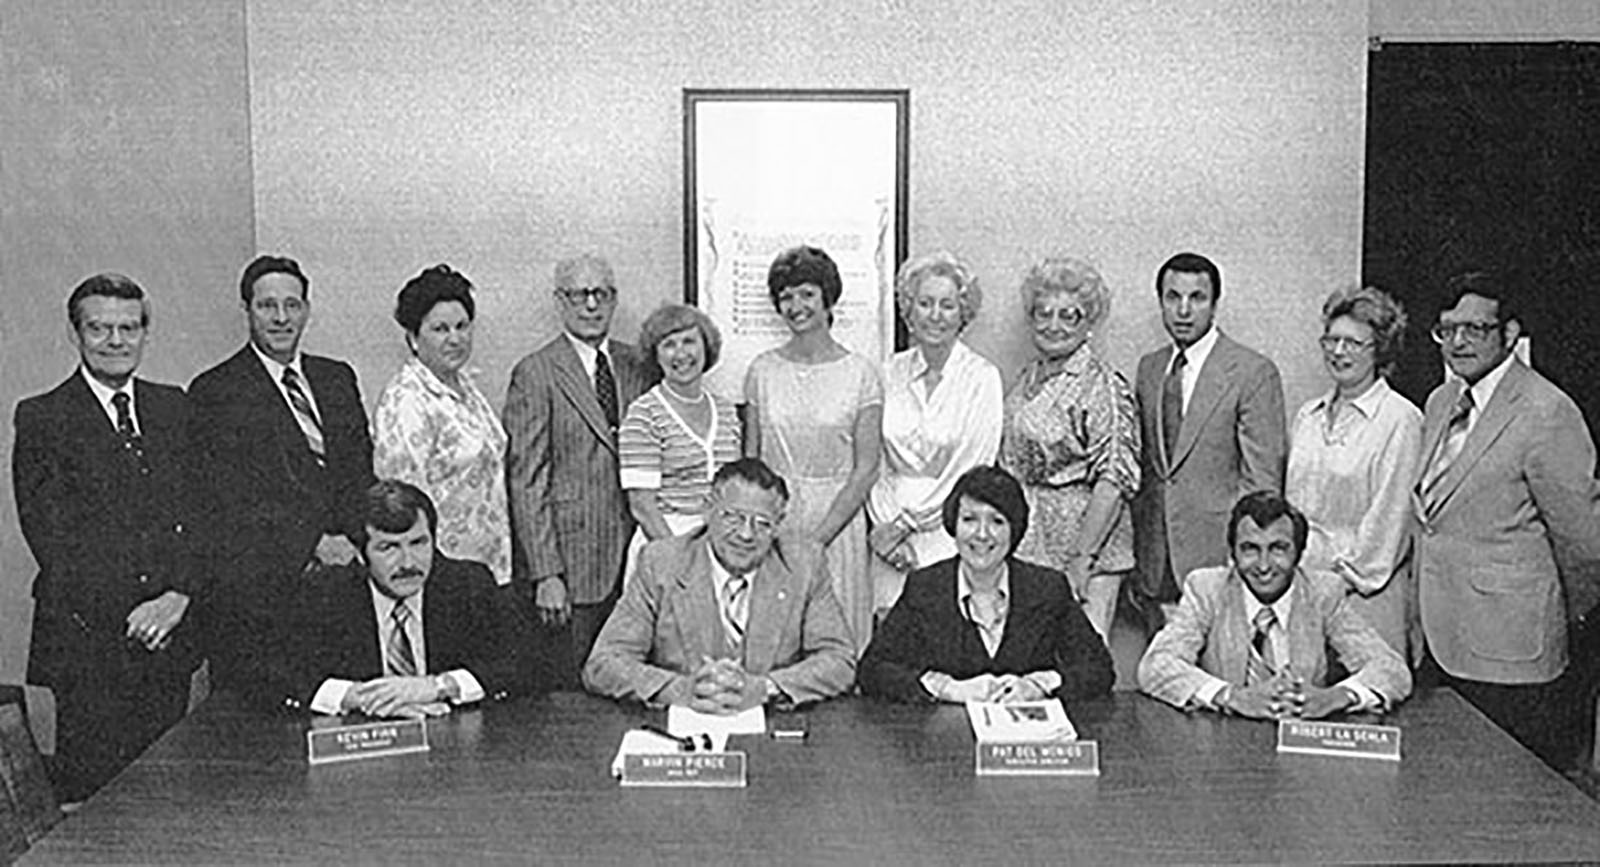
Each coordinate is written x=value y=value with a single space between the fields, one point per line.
x=1072 y=438
x=434 y=428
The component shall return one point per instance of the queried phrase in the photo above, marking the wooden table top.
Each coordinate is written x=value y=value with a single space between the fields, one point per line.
x=873 y=783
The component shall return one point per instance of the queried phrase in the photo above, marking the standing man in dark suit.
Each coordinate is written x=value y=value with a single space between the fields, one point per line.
x=1213 y=426
x=102 y=474
x=285 y=456
x=1507 y=545
x=568 y=511
x=404 y=631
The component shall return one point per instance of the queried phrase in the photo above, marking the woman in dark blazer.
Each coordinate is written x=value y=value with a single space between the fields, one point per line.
x=982 y=626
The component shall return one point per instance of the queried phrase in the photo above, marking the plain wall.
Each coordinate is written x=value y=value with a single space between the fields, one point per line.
x=124 y=146
x=503 y=135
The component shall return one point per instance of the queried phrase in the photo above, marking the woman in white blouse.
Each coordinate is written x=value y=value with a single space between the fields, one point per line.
x=434 y=428
x=1353 y=455
x=943 y=408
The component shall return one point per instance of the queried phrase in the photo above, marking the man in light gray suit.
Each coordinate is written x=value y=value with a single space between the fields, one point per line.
x=1213 y=426
x=1251 y=639
x=569 y=515
x=1507 y=545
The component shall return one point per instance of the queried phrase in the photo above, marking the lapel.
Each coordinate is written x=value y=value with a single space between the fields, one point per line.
x=576 y=385
x=1233 y=632
x=1021 y=616
x=694 y=606
x=771 y=596
x=1306 y=638
x=1209 y=386
x=1499 y=414
x=1153 y=389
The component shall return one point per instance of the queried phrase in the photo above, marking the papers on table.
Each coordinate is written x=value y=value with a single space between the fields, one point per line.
x=1014 y=722
x=683 y=721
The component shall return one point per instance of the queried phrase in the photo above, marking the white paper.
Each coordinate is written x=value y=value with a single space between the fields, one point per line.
x=1020 y=721
x=683 y=721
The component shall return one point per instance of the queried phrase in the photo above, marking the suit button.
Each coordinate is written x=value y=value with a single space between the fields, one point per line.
x=144 y=579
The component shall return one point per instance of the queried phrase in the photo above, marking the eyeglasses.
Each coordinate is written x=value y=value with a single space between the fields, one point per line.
x=1336 y=342
x=1070 y=317
x=597 y=294
x=1475 y=332
x=733 y=520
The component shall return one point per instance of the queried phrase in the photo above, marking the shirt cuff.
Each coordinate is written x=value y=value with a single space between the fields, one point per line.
x=1048 y=680
x=1206 y=696
x=1366 y=698
x=330 y=696
x=471 y=690
x=936 y=682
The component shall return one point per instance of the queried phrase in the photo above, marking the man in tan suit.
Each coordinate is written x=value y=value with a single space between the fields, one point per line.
x=1507 y=545
x=1213 y=429
x=569 y=515
x=729 y=616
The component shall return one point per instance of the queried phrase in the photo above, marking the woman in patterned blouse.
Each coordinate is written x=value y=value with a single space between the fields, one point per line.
x=676 y=435
x=1072 y=438
x=434 y=428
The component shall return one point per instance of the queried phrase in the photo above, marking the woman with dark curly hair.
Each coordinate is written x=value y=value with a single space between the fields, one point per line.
x=435 y=429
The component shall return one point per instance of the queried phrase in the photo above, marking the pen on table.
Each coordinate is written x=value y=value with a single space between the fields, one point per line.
x=986 y=720
x=685 y=744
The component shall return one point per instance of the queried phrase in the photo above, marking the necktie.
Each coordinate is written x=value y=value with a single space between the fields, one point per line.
x=398 y=658
x=1455 y=436
x=605 y=388
x=1172 y=406
x=303 y=413
x=1262 y=665
x=131 y=441
x=736 y=607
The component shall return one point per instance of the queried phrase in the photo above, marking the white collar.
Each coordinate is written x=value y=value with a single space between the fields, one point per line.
x=1195 y=355
x=964 y=584
x=104 y=393
x=1280 y=608
x=1483 y=390
x=275 y=367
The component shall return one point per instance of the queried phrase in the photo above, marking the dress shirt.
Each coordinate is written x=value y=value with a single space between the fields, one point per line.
x=1194 y=358
x=1278 y=638
x=1351 y=481
x=720 y=576
x=104 y=393
x=330 y=695
x=275 y=373
x=1483 y=390
x=587 y=352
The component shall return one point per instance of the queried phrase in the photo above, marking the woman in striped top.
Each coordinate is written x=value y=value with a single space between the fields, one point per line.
x=678 y=433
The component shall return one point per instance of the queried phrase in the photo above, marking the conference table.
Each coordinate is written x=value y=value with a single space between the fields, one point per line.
x=872 y=782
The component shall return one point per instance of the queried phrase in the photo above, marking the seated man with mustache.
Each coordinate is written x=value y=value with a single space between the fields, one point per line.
x=403 y=632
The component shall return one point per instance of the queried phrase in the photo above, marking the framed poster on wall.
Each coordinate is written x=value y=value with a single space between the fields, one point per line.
x=765 y=170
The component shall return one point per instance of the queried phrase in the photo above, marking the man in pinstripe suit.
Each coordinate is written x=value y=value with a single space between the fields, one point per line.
x=569 y=515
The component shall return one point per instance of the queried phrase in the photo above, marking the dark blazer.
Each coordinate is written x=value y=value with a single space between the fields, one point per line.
x=927 y=631
x=569 y=516
x=269 y=499
x=1233 y=441
x=106 y=539
x=466 y=623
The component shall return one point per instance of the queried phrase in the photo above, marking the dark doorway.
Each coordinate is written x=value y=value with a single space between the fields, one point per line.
x=1488 y=156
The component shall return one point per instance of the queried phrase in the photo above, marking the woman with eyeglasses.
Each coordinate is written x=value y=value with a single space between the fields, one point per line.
x=676 y=435
x=1353 y=454
x=1072 y=439
x=434 y=428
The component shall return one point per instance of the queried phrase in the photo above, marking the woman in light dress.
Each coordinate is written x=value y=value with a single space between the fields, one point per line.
x=814 y=412
x=1353 y=455
x=435 y=429
x=943 y=406
x=1072 y=438
x=676 y=435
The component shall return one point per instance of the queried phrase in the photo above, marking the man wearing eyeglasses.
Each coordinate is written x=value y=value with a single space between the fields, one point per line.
x=729 y=616
x=569 y=515
x=1508 y=538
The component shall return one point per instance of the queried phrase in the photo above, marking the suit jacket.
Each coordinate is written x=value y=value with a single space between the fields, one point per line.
x=466 y=623
x=270 y=501
x=669 y=619
x=1232 y=442
x=1209 y=634
x=569 y=515
x=1511 y=550
x=927 y=631
x=105 y=536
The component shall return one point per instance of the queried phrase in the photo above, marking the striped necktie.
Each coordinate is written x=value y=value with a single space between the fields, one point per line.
x=398 y=658
x=1262 y=665
x=736 y=607
x=304 y=414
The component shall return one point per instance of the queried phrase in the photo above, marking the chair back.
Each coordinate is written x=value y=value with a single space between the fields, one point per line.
x=28 y=809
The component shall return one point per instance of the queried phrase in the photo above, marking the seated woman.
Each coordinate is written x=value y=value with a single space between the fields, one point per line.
x=676 y=435
x=982 y=626
x=434 y=428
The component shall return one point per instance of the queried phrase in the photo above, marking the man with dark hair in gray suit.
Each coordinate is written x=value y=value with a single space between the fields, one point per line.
x=569 y=516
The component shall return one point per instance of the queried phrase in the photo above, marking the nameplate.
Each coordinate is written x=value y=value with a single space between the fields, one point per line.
x=707 y=770
x=1039 y=758
x=1339 y=739
x=366 y=741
